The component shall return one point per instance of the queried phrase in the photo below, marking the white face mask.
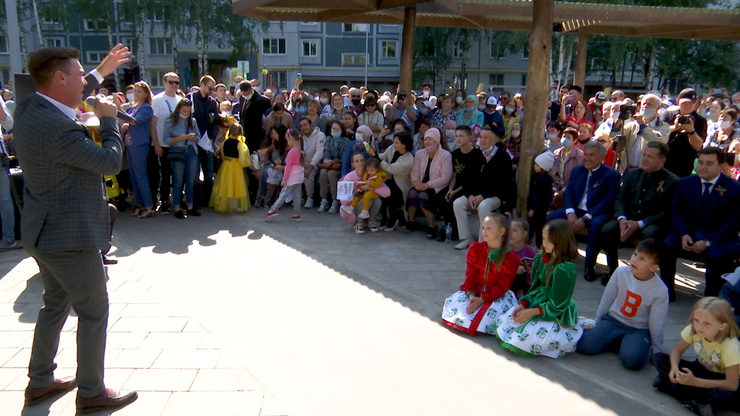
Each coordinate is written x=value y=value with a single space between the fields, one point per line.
x=431 y=148
x=184 y=117
x=258 y=90
x=425 y=93
x=649 y=112
x=552 y=136
x=249 y=96
x=324 y=100
x=358 y=136
x=725 y=124
x=130 y=96
x=450 y=134
x=459 y=100
x=515 y=133
x=482 y=107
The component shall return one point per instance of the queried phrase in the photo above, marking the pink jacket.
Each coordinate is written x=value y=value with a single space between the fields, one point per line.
x=293 y=167
x=383 y=192
x=440 y=172
x=574 y=158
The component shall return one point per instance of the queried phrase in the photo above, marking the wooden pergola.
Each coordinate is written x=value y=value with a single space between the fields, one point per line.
x=539 y=17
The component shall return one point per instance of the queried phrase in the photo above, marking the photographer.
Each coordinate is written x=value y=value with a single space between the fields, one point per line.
x=683 y=143
x=687 y=107
x=403 y=109
x=623 y=131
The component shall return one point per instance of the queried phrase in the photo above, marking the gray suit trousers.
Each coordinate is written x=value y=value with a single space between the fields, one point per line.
x=71 y=279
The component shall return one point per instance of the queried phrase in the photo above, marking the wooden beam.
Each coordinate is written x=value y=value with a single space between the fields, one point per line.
x=536 y=97
x=407 y=48
x=579 y=78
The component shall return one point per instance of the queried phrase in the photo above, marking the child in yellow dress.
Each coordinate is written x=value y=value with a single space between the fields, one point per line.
x=230 y=189
x=374 y=178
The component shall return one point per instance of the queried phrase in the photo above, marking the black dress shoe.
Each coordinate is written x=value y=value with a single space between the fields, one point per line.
x=589 y=274
x=109 y=261
x=108 y=400
x=193 y=213
x=180 y=214
x=35 y=396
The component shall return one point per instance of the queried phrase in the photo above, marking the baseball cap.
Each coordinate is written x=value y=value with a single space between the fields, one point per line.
x=491 y=102
x=600 y=95
x=687 y=94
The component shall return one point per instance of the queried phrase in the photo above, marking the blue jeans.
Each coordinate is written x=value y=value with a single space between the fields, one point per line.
x=7 y=214
x=184 y=171
x=137 y=155
x=634 y=342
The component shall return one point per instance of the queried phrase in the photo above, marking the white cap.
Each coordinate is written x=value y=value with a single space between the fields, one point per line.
x=545 y=160
x=491 y=102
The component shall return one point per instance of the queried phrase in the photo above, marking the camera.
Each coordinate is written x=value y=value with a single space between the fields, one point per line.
x=683 y=120
x=627 y=111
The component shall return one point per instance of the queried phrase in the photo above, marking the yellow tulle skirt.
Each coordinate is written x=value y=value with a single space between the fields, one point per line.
x=230 y=189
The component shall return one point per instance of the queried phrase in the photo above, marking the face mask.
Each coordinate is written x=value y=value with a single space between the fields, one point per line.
x=130 y=96
x=450 y=134
x=339 y=107
x=184 y=117
x=459 y=100
x=515 y=133
x=356 y=101
x=551 y=136
x=431 y=147
x=482 y=107
x=423 y=111
x=302 y=110
x=649 y=112
x=509 y=110
x=425 y=93
x=566 y=142
x=725 y=124
x=488 y=149
x=336 y=134
x=258 y=90
x=358 y=136
x=324 y=100
x=249 y=96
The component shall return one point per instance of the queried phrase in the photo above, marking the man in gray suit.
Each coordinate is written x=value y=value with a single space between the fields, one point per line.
x=65 y=220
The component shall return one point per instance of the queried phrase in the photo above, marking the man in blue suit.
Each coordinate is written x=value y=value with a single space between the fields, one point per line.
x=589 y=200
x=706 y=221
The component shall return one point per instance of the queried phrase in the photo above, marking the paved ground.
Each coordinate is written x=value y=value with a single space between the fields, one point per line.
x=223 y=314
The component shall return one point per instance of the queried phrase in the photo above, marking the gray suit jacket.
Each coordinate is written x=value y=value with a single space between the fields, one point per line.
x=65 y=204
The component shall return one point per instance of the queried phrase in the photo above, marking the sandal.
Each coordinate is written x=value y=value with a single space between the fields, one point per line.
x=147 y=213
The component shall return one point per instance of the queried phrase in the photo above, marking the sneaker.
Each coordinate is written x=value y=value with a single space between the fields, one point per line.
x=8 y=244
x=165 y=208
x=270 y=215
x=364 y=214
x=359 y=228
x=347 y=209
x=702 y=409
x=463 y=244
x=194 y=213
x=180 y=214
x=309 y=203
x=296 y=218
x=323 y=206
x=334 y=207
x=374 y=228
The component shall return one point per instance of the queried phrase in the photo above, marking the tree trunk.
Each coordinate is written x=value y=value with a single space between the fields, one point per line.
x=141 y=59
x=199 y=47
x=561 y=53
x=536 y=97
x=567 y=64
x=174 y=49
x=37 y=21
x=22 y=43
x=650 y=73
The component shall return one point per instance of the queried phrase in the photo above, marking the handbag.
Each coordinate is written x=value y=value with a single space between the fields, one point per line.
x=176 y=153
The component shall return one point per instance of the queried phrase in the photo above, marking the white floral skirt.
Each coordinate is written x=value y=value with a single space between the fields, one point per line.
x=455 y=316
x=538 y=337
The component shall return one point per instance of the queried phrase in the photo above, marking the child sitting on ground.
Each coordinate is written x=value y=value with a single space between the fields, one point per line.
x=546 y=320
x=632 y=311
x=710 y=383
x=518 y=238
x=485 y=294
x=374 y=178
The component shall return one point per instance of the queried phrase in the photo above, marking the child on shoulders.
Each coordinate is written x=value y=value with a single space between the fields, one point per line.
x=632 y=311
x=546 y=320
x=710 y=383
x=485 y=294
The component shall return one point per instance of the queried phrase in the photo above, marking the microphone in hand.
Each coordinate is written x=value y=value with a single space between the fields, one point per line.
x=108 y=109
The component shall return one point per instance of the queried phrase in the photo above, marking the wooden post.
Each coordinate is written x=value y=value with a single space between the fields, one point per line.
x=407 y=48
x=535 y=98
x=579 y=78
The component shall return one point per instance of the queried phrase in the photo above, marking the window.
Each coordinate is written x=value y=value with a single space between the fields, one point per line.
x=96 y=57
x=356 y=27
x=51 y=24
x=525 y=52
x=3 y=43
x=309 y=48
x=388 y=49
x=497 y=50
x=160 y=46
x=155 y=77
x=54 y=42
x=273 y=46
x=154 y=16
x=309 y=23
x=95 y=25
x=353 y=59
x=457 y=50
x=132 y=43
x=524 y=79
x=277 y=80
x=496 y=79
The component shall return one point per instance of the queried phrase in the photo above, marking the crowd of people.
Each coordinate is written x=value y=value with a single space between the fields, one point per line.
x=648 y=171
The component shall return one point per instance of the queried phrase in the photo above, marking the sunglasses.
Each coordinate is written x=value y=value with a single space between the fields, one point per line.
x=173 y=82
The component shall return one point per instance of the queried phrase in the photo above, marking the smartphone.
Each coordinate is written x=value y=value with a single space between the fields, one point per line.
x=718 y=91
x=299 y=75
x=232 y=89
